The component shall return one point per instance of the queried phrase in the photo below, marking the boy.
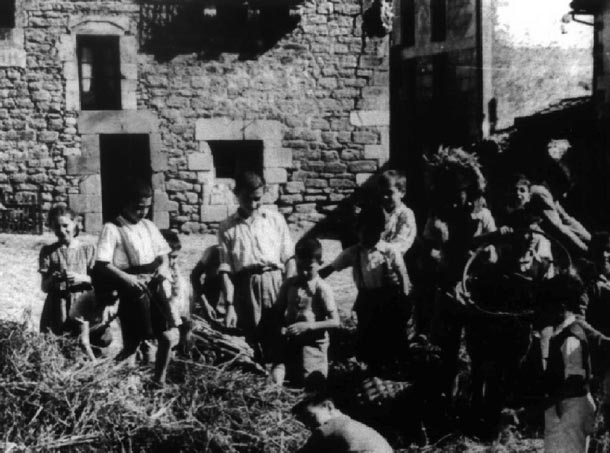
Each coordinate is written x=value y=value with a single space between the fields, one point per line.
x=335 y=432
x=255 y=251
x=400 y=227
x=207 y=284
x=132 y=255
x=307 y=308
x=382 y=307
x=570 y=415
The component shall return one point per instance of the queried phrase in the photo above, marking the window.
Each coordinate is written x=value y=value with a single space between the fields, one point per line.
x=7 y=13
x=408 y=22
x=99 y=72
x=438 y=20
x=232 y=157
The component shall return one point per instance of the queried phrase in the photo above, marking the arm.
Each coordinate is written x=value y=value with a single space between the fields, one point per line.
x=326 y=271
x=331 y=316
x=48 y=279
x=195 y=277
x=129 y=281
x=228 y=291
x=400 y=269
x=564 y=231
x=290 y=269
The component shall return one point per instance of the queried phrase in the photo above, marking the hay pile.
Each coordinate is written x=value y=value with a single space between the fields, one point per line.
x=52 y=398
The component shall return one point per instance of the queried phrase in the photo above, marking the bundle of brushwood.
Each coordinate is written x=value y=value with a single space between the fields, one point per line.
x=214 y=344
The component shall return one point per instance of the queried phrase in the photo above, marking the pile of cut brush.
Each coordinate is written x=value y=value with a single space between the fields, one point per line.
x=52 y=398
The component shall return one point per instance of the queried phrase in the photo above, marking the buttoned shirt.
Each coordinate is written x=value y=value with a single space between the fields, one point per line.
x=400 y=228
x=263 y=239
x=143 y=243
x=571 y=350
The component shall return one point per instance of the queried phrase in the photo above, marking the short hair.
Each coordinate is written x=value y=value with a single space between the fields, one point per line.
x=372 y=218
x=392 y=178
x=248 y=181
x=137 y=189
x=308 y=249
x=565 y=291
x=312 y=399
x=172 y=239
x=61 y=209
x=523 y=218
x=519 y=179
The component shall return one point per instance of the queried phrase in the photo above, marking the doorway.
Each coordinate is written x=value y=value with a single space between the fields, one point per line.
x=123 y=157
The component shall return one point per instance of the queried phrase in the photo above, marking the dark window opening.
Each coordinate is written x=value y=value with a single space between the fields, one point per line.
x=123 y=157
x=438 y=20
x=99 y=70
x=7 y=13
x=408 y=22
x=232 y=157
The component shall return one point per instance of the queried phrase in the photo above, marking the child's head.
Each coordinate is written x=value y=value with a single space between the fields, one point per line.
x=172 y=239
x=138 y=200
x=600 y=252
x=563 y=295
x=315 y=410
x=371 y=223
x=64 y=223
x=524 y=222
x=519 y=191
x=308 y=253
x=249 y=190
x=392 y=186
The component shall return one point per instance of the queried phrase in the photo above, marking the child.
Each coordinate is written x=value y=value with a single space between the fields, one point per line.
x=207 y=283
x=132 y=255
x=65 y=267
x=307 y=309
x=333 y=431
x=570 y=415
x=177 y=290
x=381 y=306
x=400 y=227
x=256 y=251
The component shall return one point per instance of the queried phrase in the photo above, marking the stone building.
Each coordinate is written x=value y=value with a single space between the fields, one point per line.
x=186 y=93
x=465 y=69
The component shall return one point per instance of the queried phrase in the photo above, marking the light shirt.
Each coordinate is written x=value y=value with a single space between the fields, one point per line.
x=571 y=350
x=400 y=228
x=369 y=264
x=144 y=243
x=261 y=239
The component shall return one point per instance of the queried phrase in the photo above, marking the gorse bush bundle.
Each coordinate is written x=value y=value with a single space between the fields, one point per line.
x=52 y=398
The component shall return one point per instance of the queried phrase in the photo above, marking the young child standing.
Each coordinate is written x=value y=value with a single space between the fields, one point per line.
x=381 y=277
x=132 y=255
x=256 y=252
x=570 y=415
x=333 y=431
x=400 y=228
x=306 y=309
x=65 y=267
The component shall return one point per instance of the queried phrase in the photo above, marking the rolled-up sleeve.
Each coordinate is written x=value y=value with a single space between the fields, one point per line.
x=223 y=252
x=107 y=243
x=345 y=259
x=286 y=243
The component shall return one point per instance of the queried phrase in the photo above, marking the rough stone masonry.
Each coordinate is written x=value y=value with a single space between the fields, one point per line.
x=300 y=78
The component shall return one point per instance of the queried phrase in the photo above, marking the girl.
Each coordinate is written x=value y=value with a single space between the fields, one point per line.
x=65 y=268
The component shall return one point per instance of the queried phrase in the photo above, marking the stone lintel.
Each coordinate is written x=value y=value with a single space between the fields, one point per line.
x=117 y=122
x=99 y=25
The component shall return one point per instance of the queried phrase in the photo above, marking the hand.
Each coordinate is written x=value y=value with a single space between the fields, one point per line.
x=230 y=317
x=134 y=283
x=77 y=279
x=298 y=328
x=505 y=230
x=462 y=295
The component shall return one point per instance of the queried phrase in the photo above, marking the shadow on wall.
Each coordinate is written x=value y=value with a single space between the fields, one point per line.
x=168 y=30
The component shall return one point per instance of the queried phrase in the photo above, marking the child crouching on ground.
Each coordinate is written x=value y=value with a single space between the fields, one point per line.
x=306 y=309
x=333 y=431
x=381 y=277
x=132 y=257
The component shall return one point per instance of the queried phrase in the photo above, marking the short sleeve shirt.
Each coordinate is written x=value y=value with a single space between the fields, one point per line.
x=77 y=258
x=143 y=243
x=262 y=239
x=368 y=264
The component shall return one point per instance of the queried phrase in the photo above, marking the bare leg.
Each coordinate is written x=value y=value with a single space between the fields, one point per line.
x=83 y=338
x=167 y=340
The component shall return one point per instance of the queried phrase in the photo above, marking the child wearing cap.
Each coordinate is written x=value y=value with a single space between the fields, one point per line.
x=306 y=309
x=335 y=432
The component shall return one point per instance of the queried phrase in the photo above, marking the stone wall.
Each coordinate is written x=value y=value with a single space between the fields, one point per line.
x=316 y=95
